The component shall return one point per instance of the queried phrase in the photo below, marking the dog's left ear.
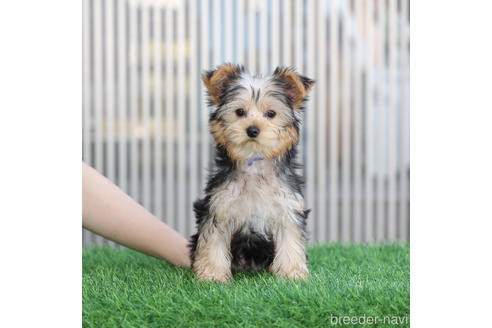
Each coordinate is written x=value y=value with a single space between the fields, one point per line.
x=295 y=85
x=217 y=80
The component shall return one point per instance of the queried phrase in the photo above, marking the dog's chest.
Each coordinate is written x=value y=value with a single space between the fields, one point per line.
x=256 y=196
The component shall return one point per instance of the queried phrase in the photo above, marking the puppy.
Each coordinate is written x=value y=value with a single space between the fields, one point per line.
x=253 y=215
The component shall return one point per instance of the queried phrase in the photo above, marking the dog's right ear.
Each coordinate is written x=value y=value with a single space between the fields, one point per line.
x=293 y=84
x=217 y=80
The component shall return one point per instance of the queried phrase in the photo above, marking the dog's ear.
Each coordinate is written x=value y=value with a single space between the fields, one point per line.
x=295 y=85
x=217 y=80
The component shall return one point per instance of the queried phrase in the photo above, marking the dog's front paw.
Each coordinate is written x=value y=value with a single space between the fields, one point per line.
x=293 y=273
x=214 y=275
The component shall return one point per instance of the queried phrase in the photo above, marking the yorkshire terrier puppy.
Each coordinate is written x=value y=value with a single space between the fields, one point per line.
x=253 y=215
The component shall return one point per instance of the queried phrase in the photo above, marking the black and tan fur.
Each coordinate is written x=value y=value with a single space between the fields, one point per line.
x=253 y=215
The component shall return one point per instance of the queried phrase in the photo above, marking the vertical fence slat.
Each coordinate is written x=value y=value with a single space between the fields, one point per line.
x=193 y=78
x=86 y=91
x=251 y=37
x=122 y=101
x=263 y=33
x=205 y=65
x=240 y=31
x=170 y=136
x=321 y=77
x=392 y=123
x=404 y=192
x=310 y=114
x=227 y=27
x=217 y=46
x=110 y=91
x=298 y=41
x=275 y=35
x=144 y=35
x=345 y=124
x=98 y=93
x=98 y=85
x=110 y=95
x=86 y=95
x=334 y=103
x=181 y=120
x=357 y=95
x=369 y=123
x=380 y=219
x=286 y=30
x=134 y=156
x=157 y=42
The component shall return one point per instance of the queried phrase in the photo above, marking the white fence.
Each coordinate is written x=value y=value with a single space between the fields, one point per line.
x=145 y=115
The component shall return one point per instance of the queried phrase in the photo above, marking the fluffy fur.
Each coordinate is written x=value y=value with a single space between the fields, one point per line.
x=253 y=215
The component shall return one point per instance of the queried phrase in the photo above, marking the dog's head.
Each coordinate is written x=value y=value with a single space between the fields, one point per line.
x=256 y=117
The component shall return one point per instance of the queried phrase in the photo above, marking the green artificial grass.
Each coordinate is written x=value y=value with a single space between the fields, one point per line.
x=123 y=288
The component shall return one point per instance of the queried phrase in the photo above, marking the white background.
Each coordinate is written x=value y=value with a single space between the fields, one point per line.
x=40 y=182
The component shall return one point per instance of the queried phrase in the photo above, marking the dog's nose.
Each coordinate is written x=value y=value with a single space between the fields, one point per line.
x=253 y=131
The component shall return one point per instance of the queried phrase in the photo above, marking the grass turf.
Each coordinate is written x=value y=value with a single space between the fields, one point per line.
x=123 y=288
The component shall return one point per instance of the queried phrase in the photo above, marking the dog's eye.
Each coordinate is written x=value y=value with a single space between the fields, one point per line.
x=240 y=112
x=270 y=114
